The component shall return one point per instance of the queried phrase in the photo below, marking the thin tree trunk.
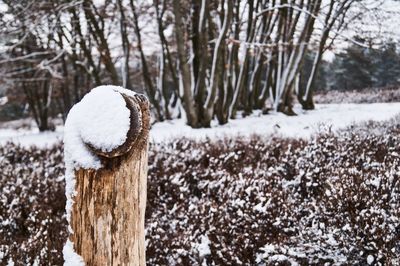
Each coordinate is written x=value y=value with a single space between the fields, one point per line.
x=126 y=83
x=98 y=35
x=185 y=75
x=217 y=70
x=151 y=90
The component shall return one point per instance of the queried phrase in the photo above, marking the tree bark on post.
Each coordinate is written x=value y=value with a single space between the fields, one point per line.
x=107 y=205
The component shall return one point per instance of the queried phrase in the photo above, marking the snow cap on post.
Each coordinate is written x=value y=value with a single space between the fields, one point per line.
x=106 y=122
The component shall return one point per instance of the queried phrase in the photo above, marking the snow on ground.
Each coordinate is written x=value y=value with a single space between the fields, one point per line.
x=31 y=137
x=306 y=124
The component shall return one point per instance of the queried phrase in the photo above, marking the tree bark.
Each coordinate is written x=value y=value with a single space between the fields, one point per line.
x=126 y=82
x=217 y=71
x=184 y=68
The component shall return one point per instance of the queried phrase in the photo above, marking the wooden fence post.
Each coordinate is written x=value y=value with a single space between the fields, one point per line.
x=106 y=198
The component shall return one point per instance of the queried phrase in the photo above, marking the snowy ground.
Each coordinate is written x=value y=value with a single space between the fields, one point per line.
x=307 y=123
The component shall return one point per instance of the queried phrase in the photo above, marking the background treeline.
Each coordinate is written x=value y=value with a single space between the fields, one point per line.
x=357 y=68
x=198 y=59
x=360 y=67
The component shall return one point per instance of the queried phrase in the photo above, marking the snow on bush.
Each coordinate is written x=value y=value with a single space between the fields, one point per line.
x=32 y=205
x=334 y=199
x=371 y=95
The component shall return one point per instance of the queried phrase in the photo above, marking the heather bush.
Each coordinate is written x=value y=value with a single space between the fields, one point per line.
x=32 y=205
x=370 y=95
x=334 y=199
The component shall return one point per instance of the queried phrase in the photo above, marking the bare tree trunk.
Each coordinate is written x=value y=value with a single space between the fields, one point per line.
x=201 y=32
x=126 y=83
x=86 y=50
x=150 y=89
x=96 y=29
x=167 y=59
x=162 y=86
x=185 y=75
x=306 y=100
x=216 y=69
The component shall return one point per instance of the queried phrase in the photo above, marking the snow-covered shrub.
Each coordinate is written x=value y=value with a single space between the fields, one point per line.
x=334 y=199
x=373 y=95
x=32 y=205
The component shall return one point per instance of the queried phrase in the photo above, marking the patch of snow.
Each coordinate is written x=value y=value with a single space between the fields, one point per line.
x=278 y=258
x=331 y=240
x=3 y=8
x=204 y=246
x=99 y=3
x=304 y=125
x=375 y=182
x=10 y=262
x=36 y=262
x=260 y=208
x=268 y=248
x=71 y=258
x=370 y=259
x=28 y=138
x=265 y=252
x=3 y=100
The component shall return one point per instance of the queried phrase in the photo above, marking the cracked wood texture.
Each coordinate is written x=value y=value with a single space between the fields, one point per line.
x=108 y=214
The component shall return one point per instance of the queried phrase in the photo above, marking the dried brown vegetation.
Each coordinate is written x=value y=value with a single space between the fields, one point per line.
x=372 y=95
x=254 y=201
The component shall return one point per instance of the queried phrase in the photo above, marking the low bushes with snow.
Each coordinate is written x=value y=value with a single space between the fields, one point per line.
x=242 y=201
x=387 y=94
